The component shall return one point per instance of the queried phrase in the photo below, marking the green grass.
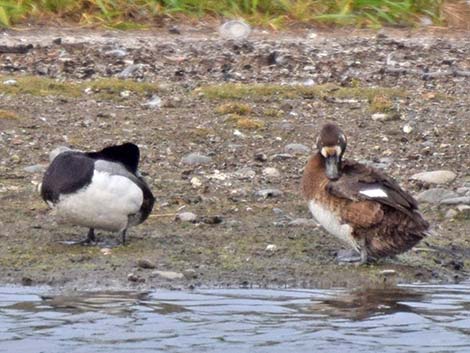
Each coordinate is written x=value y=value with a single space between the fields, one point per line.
x=130 y=14
x=264 y=92
x=104 y=88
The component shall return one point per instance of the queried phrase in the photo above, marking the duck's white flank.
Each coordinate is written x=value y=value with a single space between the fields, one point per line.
x=332 y=223
x=105 y=203
x=374 y=193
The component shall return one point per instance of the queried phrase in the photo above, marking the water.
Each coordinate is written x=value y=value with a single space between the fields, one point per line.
x=424 y=318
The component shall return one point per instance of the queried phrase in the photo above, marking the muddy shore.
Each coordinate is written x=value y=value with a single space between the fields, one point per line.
x=253 y=109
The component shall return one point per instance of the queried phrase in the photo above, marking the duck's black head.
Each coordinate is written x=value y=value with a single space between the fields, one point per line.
x=331 y=144
x=127 y=154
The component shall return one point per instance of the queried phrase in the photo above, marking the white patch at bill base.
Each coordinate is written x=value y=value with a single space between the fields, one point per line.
x=377 y=192
x=105 y=203
x=332 y=223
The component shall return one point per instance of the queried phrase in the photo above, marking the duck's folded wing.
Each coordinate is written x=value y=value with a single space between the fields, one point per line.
x=67 y=173
x=362 y=183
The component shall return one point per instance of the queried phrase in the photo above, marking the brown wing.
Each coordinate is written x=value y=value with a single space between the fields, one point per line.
x=357 y=179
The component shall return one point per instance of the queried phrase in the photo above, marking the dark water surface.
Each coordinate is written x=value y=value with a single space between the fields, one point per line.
x=418 y=318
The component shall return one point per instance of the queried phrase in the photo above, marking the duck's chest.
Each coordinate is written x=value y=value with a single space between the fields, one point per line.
x=329 y=218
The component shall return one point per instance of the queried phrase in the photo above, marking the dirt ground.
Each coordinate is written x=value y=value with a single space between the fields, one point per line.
x=402 y=97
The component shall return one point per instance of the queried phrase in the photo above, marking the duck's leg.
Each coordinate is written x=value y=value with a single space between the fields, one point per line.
x=90 y=238
x=123 y=234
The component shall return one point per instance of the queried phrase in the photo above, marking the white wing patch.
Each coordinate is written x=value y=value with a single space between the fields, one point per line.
x=377 y=192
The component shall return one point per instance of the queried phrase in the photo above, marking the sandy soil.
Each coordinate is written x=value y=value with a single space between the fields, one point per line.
x=416 y=79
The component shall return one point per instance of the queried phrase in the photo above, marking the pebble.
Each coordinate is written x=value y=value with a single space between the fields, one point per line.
x=281 y=156
x=271 y=172
x=131 y=277
x=388 y=272
x=196 y=182
x=265 y=193
x=271 y=247
x=261 y=157
x=9 y=82
x=146 y=263
x=168 y=274
x=117 y=53
x=407 y=129
x=235 y=29
x=465 y=200
x=451 y=213
x=190 y=273
x=435 y=177
x=154 y=102
x=296 y=148
x=196 y=158
x=106 y=251
x=435 y=195
x=129 y=70
x=37 y=168
x=379 y=117
x=245 y=173
x=186 y=217
x=463 y=190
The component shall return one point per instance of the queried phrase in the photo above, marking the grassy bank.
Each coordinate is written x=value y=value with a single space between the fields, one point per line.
x=274 y=13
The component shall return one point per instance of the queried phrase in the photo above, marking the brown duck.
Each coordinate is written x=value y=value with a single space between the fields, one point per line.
x=358 y=204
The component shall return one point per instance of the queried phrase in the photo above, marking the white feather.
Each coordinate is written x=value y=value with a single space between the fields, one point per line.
x=105 y=203
x=374 y=193
x=332 y=224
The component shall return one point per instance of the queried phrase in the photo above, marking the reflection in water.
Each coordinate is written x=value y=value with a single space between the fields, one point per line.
x=364 y=303
x=398 y=319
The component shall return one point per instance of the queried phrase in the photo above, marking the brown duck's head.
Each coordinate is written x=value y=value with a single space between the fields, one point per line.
x=331 y=144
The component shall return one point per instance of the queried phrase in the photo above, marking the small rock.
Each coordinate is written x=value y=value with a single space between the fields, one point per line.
x=463 y=190
x=174 y=30
x=196 y=158
x=271 y=247
x=379 y=117
x=302 y=222
x=186 y=217
x=388 y=272
x=129 y=70
x=456 y=201
x=435 y=177
x=212 y=219
x=235 y=29
x=451 y=213
x=131 y=277
x=271 y=172
x=281 y=156
x=261 y=157
x=145 y=263
x=265 y=193
x=26 y=281
x=154 y=102
x=464 y=211
x=190 y=273
x=196 y=182
x=245 y=173
x=125 y=94
x=10 y=82
x=297 y=148
x=117 y=53
x=106 y=251
x=37 y=168
x=238 y=133
x=168 y=274
x=407 y=128
x=435 y=195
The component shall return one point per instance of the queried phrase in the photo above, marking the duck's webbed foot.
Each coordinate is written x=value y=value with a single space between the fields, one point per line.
x=90 y=239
